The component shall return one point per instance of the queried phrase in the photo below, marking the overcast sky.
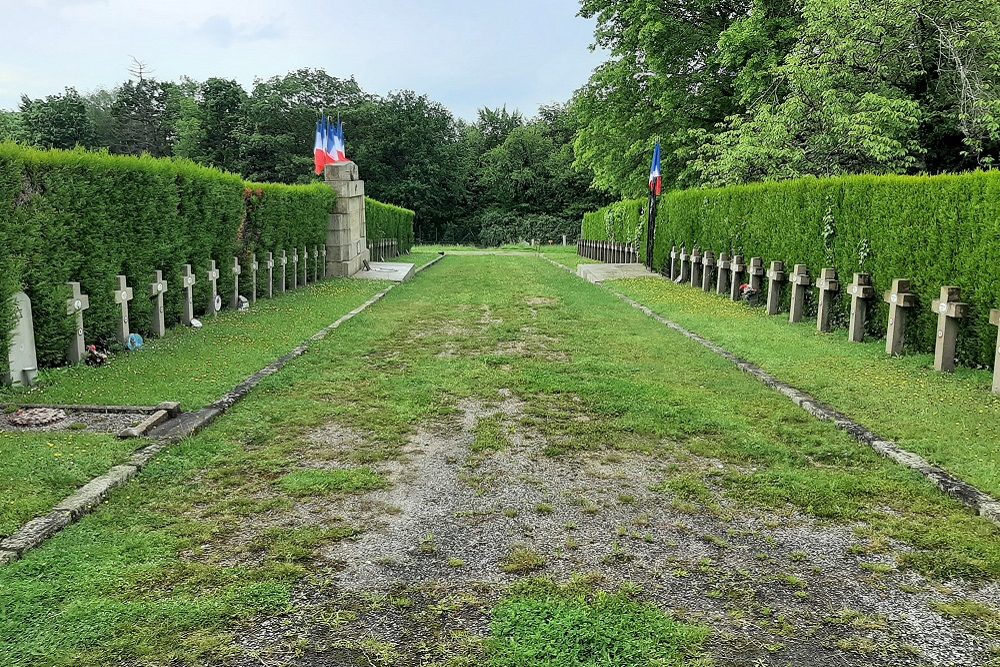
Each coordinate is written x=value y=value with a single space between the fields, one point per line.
x=463 y=53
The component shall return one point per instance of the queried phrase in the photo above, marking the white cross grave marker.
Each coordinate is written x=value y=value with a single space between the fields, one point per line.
x=188 y=281
x=214 y=302
x=123 y=294
x=237 y=272
x=157 y=289
x=75 y=305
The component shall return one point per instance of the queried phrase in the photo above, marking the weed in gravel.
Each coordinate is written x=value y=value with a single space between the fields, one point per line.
x=522 y=558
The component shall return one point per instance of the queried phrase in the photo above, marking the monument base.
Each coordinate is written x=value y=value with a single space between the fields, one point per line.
x=396 y=272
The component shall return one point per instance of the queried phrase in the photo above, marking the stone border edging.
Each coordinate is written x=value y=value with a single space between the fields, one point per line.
x=93 y=493
x=984 y=504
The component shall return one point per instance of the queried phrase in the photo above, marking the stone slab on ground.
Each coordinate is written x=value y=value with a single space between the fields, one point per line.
x=599 y=273
x=397 y=272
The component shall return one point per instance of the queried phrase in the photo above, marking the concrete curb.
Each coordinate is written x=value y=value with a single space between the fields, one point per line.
x=983 y=503
x=85 y=499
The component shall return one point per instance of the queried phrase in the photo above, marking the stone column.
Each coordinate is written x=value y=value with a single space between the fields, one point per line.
x=861 y=291
x=188 y=281
x=157 y=289
x=736 y=271
x=800 y=284
x=77 y=303
x=828 y=285
x=708 y=267
x=949 y=310
x=775 y=281
x=123 y=294
x=899 y=299
x=995 y=321
x=756 y=271
x=722 y=274
x=346 y=238
x=696 y=267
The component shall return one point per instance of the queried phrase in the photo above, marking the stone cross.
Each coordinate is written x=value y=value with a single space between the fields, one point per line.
x=213 y=297
x=322 y=254
x=283 y=261
x=800 y=281
x=696 y=267
x=237 y=272
x=861 y=291
x=295 y=268
x=253 y=277
x=157 y=289
x=775 y=281
x=736 y=271
x=316 y=262
x=305 y=266
x=22 y=358
x=722 y=275
x=674 y=255
x=708 y=262
x=187 y=282
x=828 y=285
x=899 y=299
x=756 y=273
x=123 y=294
x=77 y=303
x=685 y=265
x=269 y=265
x=949 y=311
x=995 y=321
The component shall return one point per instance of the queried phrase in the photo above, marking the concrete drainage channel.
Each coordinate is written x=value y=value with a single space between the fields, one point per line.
x=984 y=504
x=165 y=425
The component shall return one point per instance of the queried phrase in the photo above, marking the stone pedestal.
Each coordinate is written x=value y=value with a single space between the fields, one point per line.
x=346 y=235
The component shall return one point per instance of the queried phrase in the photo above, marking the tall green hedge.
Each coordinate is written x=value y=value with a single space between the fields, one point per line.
x=386 y=222
x=621 y=222
x=934 y=230
x=87 y=217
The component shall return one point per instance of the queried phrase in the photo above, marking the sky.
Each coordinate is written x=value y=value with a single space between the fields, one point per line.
x=465 y=54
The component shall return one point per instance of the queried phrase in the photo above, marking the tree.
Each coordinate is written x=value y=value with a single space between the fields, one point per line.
x=57 y=121
x=144 y=115
x=10 y=125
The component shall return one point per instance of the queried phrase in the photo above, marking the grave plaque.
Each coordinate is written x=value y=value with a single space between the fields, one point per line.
x=123 y=294
x=722 y=275
x=861 y=292
x=708 y=269
x=800 y=281
x=22 y=360
x=756 y=273
x=187 y=282
x=949 y=311
x=899 y=299
x=237 y=272
x=253 y=277
x=77 y=303
x=995 y=321
x=674 y=258
x=269 y=264
x=283 y=262
x=775 y=282
x=213 y=296
x=295 y=268
x=157 y=289
x=696 y=267
x=828 y=286
x=736 y=271
x=685 y=265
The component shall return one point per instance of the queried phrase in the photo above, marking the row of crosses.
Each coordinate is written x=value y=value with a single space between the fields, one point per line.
x=123 y=294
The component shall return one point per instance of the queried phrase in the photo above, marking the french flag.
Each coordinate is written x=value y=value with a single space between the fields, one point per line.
x=320 y=156
x=655 y=177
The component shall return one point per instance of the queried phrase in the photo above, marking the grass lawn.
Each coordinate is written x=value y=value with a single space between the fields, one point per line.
x=214 y=535
x=952 y=420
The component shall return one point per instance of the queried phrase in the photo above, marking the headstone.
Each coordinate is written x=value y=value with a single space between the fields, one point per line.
x=187 y=282
x=237 y=272
x=861 y=292
x=674 y=258
x=696 y=267
x=775 y=282
x=283 y=262
x=295 y=268
x=564 y=239
x=708 y=270
x=123 y=294
x=75 y=305
x=253 y=277
x=157 y=289
x=828 y=286
x=949 y=311
x=736 y=271
x=722 y=274
x=22 y=360
x=800 y=284
x=685 y=265
x=899 y=299
x=315 y=264
x=305 y=266
x=214 y=302
x=269 y=264
x=995 y=321
x=756 y=273
x=322 y=254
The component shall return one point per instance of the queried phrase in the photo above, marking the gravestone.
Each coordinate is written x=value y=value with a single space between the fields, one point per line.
x=775 y=283
x=123 y=294
x=756 y=273
x=347 y=236
x=316 y=264
x=283 y=262
x=295 y=268
x=800 y=281
x=736 y=271
x=685 y=265
x=995 y=321
x=214 y=301
x=269 y=264
x=157 y=289
x=899 y=299
x=674 y=258
x=22 y=360
x=253 y=277
x=305 y=266
x=564 y=239
x=696 y=267
x=949 y=311
x=75 y=305
x=322 y=254
x=708 y=269
x=237 y=272
x=722 y=275
x=861 y=292
x=188 y=281
x=828 y=286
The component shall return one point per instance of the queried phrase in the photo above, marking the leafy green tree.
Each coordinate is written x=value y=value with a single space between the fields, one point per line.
x=144 y=115
x=57 y=121
x=10 y=125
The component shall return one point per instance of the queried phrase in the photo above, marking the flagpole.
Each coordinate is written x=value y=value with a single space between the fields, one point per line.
x=651 y=208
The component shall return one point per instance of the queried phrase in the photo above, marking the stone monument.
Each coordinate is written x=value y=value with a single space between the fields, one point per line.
x=800 y=281
x=722 y=275
x=861 y=292
x=736 y=271
x=346 y=237
x=899 y=299
x=23 y=362
x=775 y=283
x=708 y=264
x=828 y=286
x=949 y=311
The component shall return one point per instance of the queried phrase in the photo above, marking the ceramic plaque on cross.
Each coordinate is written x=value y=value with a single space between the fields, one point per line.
x=214 y=300
x=708 y=267
x=828 y=286
x=950 y=310
x=75 y=305
x=861 y=292
x=157 y=289
x=775 y=283
x=123 y=294
x=188 y=281
x=234 y=302
x=800 y=281
x=900 y=299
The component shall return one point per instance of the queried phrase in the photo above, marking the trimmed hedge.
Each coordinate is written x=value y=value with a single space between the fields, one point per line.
x=87 y=217
x=934 y=230
x=621 y=222
x=386 y=221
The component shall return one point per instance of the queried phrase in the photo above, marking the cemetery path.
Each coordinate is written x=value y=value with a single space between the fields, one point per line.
x=383 y=501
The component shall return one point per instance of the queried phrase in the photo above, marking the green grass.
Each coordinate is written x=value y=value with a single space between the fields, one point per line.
x=952 y=420
x=326 y=482
x=542 y=624
x=37 y=470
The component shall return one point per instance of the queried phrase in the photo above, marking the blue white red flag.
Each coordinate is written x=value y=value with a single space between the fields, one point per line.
x=655 y=177
x=319 y=147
